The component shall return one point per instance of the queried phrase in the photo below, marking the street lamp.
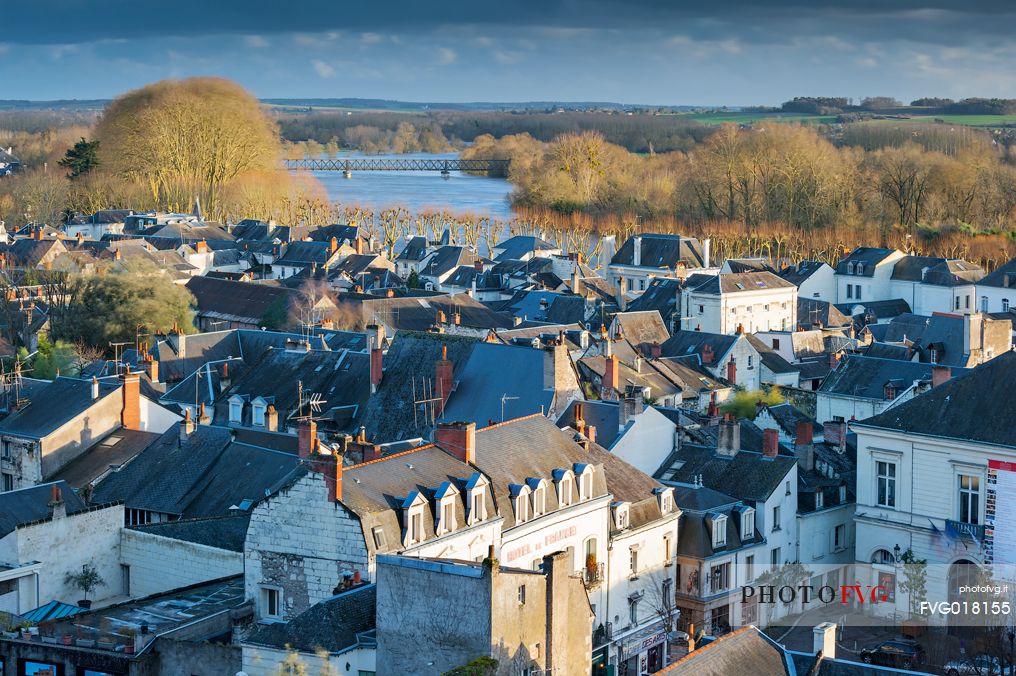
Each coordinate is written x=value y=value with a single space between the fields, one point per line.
x=896 y=552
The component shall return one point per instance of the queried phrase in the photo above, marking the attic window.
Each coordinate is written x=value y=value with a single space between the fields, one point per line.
x=259 y=414
x=860 y=268
x=719 y=526
x=564 y=490
x=539 y=501
x=414 y=525
x=586 y=484
x=235 y=411
x=843 y=494
x=621 y=515
x=380 y=542
x=477 y=505
x=748 y=524
x=739 y=285
x=446 y=507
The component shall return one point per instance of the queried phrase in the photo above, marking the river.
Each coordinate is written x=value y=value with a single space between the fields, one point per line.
x=419 y=190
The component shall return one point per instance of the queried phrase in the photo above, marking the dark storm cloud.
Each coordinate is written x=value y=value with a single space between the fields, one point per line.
x=78 y=21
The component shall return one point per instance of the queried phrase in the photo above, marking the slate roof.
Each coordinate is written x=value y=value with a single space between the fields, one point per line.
x=225 y=532
x=1002 y=277
x=661 y=295
x=447 y=258
x=742 y=282
x=420 y=313
x=811 y=310
x=736 y=265
x=241 y=301
x=53 y=406
x=605 y=416
x=112 y=452
x=787 y=416
x=332 y=625
x=943 y=332
x=659 y=381
x=876 y=309
x=341 y=231
x=465 y=274
x=28 y=505
x=866 y=377
x=661 y=251
x=302 y=254
x=744 y=651
x=520 y=245
x=203 y=476
x=974 y=406
x=801 y=272
x=937 y=271
x=888 y=351
x=866 y=255
x=414 y=251
x=770 y=358
x=642 y=329
x=687 y=343
x=747 y=476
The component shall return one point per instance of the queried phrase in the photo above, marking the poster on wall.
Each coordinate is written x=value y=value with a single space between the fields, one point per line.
x=1000 y=508
x=32 y=668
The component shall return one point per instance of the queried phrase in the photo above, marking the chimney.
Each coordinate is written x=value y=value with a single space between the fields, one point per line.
x=835 y=434
x=707 y=354
x=443 y=381
x=201 y=247
x=576 y=283
x=376 y=363
x=706 y=246
x=95 y=388
x=580 y=423
x=186 y=426
x=330 y=466
x=117 y=254
x=740 y=329
x=457 y=318
x=591 y=434
x=153 y=369
x=203 y=417
x=271 y=418
x=940 y=375
x=825 y=640
x=130 y=414
x=224 y=380
x=973 y=333
x=611 y=379
x=834 y=360
x=441 y=318
x=803 y=447
x=770 y=442
x=307 y=440
x=656 y=350
x=37 y=232
x=333 y=245
x=729 y=440
x=620 y=294
x=80 y=238
x=732 y=372
x=375 y=335
x=636 y=258
x=458 y=439
x=478 y=265
x=57 y=503
x=359 y=244
x=713 y=411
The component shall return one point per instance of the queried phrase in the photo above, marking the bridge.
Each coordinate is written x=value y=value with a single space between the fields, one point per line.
x=445 y=166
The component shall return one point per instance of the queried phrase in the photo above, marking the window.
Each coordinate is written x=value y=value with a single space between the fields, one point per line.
x=642 y=285
x=271 y=602
x=857 y=292
x=860 y=269
x=633 y=611
x=767 y=307
x=235 y=411
x=886 y=483
x=839 y=537
x=719 y=531
x=984 y=303
x=748 y=524
x=476 y=511
x=750 y=366
x=819 y=499
x=125 y=580
x=522 y=594
x=259 y=414
x=447 y=515
x=7 y=449
x=380 y=542
x=775 y=557
x=776 y=343
x=749 y=568
x=522 y=508
x=415 y=526
x=667 y=592
x=850 y=290
x=719 y=577
x=564 y=488
x=850 y=268
x=970 y=497
x=668 y=549
x=8 y=482
x=966 y=302
x=957 y=299
x=621 y=516
x=843 y=495
x=586 y=485
x=1005 y=305
x=701 y=309
x=633 y=561
x=590 y=552
x=776 y=518
x=883 y=557
x=539 y=501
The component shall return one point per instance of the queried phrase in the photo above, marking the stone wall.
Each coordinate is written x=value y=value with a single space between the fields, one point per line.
x=159 y=564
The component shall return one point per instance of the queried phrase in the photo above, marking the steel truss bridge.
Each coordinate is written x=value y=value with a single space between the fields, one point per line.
x=389 y=164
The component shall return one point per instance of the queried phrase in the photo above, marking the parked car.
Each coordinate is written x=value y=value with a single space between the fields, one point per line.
x=983 y=665
x=900 y=653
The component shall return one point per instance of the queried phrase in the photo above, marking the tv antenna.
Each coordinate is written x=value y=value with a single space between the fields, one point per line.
x=429 y=399
x=312 y=400
x=504 y=398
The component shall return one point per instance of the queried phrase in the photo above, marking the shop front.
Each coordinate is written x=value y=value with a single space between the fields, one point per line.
x=644 y=652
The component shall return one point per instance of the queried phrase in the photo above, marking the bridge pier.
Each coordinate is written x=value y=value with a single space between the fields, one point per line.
x=347 y=173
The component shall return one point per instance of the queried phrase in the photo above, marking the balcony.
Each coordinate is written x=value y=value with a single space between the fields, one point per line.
x=592 y=574
x=966 y=531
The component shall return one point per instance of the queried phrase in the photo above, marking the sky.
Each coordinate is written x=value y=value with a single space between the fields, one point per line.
x=668 y=52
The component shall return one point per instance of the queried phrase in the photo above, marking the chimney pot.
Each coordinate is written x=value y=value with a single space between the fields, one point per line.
x=770 y=443
x=591 y=433
x=95 y=388
x=611 y=378
x=307 y=438
x=732 y=372
x=130 y=413
x=940 y=375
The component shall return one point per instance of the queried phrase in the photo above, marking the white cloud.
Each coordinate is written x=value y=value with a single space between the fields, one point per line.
x=371 y=38
x=867 y=62
x=322 y=68
x=507 y=57
x=446 y=56
x=4 y=48
x=256 y=42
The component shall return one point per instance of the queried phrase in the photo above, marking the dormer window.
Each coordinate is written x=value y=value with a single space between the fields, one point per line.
x=850 y=268
x=620 y=515
x=564 y=487
x=860 y=268
x=665 y=498
x=522 y=505
x=843 y=494
x=718 y=524
x=235 y=409
x=539 y=488
x=585 y=479
x=258 y=412
x=748 y=524
x=819 y=500
x=412 y=511
x=444 y=508
x=447 y=520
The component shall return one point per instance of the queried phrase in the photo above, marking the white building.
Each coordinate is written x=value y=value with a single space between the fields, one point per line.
x=741 y=302
x=813 y=279
x=729 y=357
x=997 y=291
x=865 y=274
x=934 y=477
x=645 y=256
x=931 y=285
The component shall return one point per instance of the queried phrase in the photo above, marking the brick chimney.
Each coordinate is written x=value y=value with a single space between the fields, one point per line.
x=478 y=265
x=713 y=411
x=835 y=433
x=359 y=244
x=834 y=360
x=271 y=418
x=770 y=442
x=224 y=379
x=444 y=378
x=804 y=449
x=57 y=503
x=307 y=440
x=441 y=318
x=655 y=350
x=611 y=378
x=707 y=354
x=729 y=440
x=940 y=375
x=152 y=365
x=580 y=423
x=95 y=388
x=37 y=232
x=333 y=245
x=457 y=439
x=130 y=414
x=740 y=328
x=186 y=426
x=732 y=372
x=591 y=433
x=376 y=367
x=330 y=465
x=201 y=247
